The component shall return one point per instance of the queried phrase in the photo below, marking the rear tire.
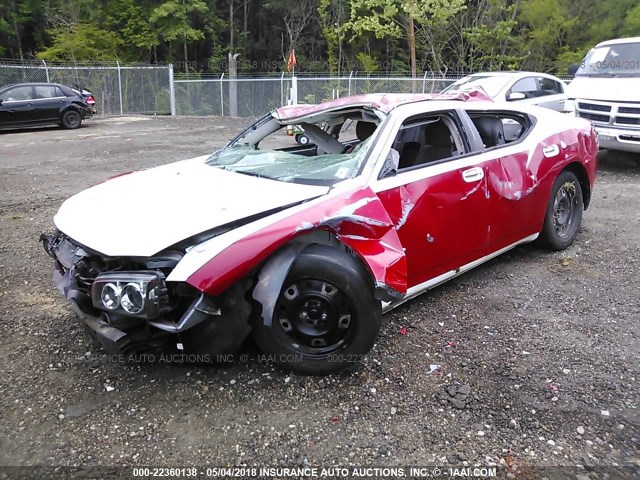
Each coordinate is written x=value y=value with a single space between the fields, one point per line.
x=71 y=119
x=564 y=212
x=302 y=139
x=326 y=317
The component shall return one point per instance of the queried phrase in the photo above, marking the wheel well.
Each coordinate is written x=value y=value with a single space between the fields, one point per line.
x=270 y=277
x=70 y=107
x=579 y=171
x=319 y=237
x=324 y=237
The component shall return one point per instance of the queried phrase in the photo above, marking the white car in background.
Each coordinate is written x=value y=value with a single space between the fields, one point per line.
x=523 y=87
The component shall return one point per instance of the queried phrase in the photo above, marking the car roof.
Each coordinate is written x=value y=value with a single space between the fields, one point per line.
x=618 y=41
x=33 y=83
x=384 y=102
x=510 y=73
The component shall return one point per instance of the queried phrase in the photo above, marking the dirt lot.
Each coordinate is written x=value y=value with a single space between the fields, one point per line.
x=538 y=351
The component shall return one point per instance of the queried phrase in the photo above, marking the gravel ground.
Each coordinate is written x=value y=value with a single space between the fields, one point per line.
x=531 y=359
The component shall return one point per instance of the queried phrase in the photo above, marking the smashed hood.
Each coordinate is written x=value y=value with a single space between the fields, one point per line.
x=612 y=89
x=142 y=213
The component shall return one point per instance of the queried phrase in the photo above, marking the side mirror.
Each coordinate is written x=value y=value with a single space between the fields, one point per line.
x=516 y=96
x=572 y=69
x=0 y=101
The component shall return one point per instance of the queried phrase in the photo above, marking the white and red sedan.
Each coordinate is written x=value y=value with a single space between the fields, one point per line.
x=305 y=246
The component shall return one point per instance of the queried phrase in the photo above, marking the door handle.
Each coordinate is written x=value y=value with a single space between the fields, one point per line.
x=473 y=174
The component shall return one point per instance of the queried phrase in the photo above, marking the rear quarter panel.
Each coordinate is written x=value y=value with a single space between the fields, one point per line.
x=520 y=181
x=577 y=149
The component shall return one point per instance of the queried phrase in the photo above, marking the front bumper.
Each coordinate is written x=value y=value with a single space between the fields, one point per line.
x=116 y=333
x=615 y=139
x=112 y=339
x=76 y=270
x=615 y=122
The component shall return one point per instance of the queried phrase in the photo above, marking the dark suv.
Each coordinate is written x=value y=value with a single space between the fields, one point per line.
x=29 y=104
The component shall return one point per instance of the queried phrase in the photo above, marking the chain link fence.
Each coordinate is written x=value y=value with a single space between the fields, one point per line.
x=256 y=96
x=210 y=96
x=117 y=89
x=152 y=89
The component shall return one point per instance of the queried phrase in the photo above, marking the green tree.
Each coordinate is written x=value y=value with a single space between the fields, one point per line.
x=492 y=42
x=130 y=20
x=433 y=21
x=174 y=18
x=332 y=14
x=631 y=24
x=430 y=19
x=295 y=20
x=547 y=25
x=81 y=42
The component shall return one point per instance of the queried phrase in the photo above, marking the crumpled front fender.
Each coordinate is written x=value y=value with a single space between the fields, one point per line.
x=357 y=218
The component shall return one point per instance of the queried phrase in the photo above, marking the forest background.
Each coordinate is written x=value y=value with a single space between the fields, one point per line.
x=336 y=36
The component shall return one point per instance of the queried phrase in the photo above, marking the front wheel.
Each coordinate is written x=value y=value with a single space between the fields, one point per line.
x=71 y=119
x=326 y=317
x=564 y=212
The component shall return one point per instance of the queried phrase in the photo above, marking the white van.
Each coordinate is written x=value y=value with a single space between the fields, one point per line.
x=606 y=90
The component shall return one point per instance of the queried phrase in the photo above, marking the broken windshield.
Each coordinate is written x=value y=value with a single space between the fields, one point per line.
x=320 y=149
x=287 y=166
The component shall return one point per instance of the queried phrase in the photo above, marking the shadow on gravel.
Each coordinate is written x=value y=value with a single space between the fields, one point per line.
x=45 y=128
x=618 y=162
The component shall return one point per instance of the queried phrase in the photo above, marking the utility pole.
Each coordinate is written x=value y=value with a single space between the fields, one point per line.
x=412 y=41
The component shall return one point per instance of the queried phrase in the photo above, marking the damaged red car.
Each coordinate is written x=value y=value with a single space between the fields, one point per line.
x=305 y=246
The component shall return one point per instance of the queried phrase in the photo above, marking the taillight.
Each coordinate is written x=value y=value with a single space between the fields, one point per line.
x=90 y=100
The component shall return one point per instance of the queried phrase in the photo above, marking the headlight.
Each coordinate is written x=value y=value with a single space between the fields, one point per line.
x=141 y=293
x=132 y=299
x=110 y=296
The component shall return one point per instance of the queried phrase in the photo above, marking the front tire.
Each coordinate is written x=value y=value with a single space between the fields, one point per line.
x=71 y=119
x=564 y=212
x=326 y=317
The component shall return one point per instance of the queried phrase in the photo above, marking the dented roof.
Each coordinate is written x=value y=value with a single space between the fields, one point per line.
x=384 y=102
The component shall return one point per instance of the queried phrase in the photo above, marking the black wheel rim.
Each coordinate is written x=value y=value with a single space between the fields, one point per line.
x=73 y=119
x=565 y=205
x=313 y=317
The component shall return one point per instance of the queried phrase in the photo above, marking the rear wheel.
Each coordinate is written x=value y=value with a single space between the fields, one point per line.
x=326 y=317
x=564 y=212
x=71 y=119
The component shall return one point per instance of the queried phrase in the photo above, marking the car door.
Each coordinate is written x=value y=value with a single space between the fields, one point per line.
x=48 y=100
x=550 y=93
x=17 y=106
x=437 y=197
x=525 y=86
x=513 y=202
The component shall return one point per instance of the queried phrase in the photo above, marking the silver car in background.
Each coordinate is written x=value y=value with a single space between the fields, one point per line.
x=533 y=88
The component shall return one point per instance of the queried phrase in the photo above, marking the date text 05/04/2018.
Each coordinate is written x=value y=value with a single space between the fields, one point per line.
x=317 y=472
